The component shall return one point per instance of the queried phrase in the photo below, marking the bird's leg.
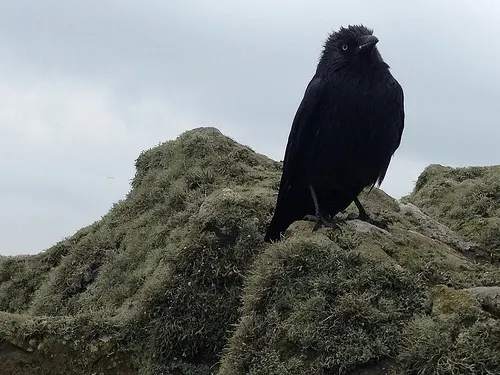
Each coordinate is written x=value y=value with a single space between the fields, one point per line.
x=315 y=201
x=362 y=212
x=364 y=216
x=319 y=218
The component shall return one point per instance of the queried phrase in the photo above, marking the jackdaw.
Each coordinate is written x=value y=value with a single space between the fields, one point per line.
x=343 y=136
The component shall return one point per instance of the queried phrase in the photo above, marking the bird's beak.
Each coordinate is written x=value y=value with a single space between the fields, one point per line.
x=367 y=43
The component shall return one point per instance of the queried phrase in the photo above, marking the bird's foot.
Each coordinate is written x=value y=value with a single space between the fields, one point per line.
x=310 y=218
x=322 y=221
x=363 y=216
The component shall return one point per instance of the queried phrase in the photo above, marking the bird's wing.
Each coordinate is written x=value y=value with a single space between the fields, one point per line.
x=303 y=129
x=293 y=196
x=400 y=122
x=397 y=121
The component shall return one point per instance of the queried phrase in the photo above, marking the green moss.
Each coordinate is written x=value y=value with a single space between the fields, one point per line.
x=189 y=318
x=22 y=276
x=176 y=279
x=162 y=262
x=451 y=301
x=313 y=307
x=458 y=339
x=75 y=345
x=466 y=199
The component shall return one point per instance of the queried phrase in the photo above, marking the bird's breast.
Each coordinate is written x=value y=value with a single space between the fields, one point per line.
x=354 y=137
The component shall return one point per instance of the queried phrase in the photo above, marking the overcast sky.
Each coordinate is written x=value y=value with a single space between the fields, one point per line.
x=85 y=86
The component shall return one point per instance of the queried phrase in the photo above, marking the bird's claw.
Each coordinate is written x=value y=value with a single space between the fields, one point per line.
x=322 y=221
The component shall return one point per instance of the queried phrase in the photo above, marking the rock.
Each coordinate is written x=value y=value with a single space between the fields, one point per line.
x=489 y=297
x=434 y=229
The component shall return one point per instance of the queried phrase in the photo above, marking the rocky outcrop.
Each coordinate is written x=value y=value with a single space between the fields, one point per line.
x=176 y=279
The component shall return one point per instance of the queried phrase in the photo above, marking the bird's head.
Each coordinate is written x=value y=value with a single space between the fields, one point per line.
x=353 y=45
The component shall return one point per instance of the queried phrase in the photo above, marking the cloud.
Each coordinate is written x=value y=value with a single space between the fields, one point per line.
x=67 y=154
x=86 y=86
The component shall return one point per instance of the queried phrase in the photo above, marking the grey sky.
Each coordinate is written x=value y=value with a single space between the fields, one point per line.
x=86 y=86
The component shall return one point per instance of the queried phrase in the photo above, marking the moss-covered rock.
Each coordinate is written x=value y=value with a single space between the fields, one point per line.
x=166 y=264
x=313 y=307
x=457 y=338
x=176 y=279
x=465 y=199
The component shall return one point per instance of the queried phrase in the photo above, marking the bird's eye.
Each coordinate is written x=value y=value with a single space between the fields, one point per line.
x=345 y=47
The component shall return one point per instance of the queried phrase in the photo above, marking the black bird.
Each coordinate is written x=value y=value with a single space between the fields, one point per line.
x=343 y=136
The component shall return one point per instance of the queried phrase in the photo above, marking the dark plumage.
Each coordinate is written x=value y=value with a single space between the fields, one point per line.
x=344 y=133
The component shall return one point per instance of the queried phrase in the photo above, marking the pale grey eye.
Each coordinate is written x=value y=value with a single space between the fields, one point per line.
x=345 y=47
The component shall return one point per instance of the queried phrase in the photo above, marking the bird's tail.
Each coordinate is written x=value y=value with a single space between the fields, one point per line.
x=276 y=229
x=290 y=207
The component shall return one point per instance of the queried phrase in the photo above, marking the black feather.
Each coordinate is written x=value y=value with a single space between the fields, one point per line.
x=344 y=133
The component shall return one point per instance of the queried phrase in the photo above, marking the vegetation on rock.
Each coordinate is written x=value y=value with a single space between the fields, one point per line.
x=176 y=279
x=465 y=199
